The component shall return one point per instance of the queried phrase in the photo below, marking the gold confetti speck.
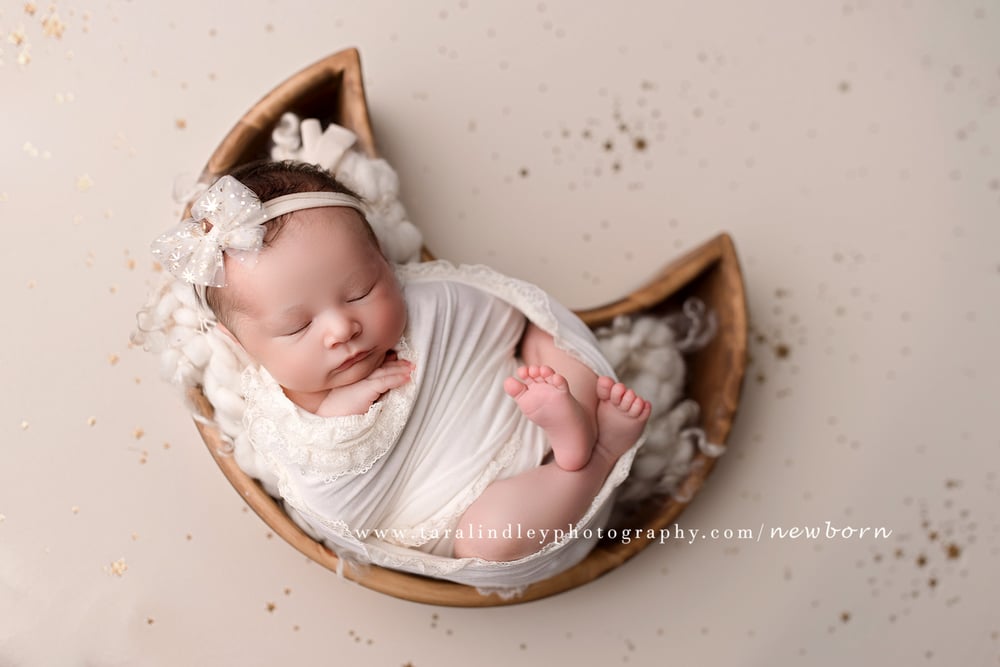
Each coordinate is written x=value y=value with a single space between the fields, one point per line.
x=84 y=183
x=130 y=264
x=271 y=607
x=138 y=433
x=75 y=509
x=181 y=123
x=25 y=425
x=3 y=518
x=845 y=617
x=23 y=58
x=16 y=37
x=953 y=551
x=112 y=359
x=150 y=620
x=52 y=26
x=30 y=8
x=118 y=567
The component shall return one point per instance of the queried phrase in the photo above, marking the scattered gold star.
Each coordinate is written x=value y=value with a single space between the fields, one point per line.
x=288 y=591
x=112 y=359
x=84 y=183
x=16 y=37
x=23 y=58
x=845 y=616
x=75 y=509
x=181 y=123
x=118 y=567
x=150 y=621
x=954 y=551
x=135 y=537
x=138 y=433
x=130 y=264
x=25 y=425
x=52 y=26
x=270 y=606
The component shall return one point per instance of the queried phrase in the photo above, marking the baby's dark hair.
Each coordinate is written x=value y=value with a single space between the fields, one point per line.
x=268 y=180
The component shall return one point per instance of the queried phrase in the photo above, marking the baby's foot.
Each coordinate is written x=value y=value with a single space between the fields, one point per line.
x=621 y=417
x=544 y=398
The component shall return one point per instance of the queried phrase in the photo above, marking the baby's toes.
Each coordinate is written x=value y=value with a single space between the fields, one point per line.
x=638 y=407
x=604 y=385
x=513 y=387
x=557 y=381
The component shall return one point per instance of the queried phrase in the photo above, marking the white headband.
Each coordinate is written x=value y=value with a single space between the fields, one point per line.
x=237 y=217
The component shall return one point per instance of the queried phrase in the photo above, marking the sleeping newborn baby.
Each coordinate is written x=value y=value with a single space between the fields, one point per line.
x=447 y=409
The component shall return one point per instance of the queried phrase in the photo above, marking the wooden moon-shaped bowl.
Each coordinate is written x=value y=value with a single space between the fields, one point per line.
x=332 y=90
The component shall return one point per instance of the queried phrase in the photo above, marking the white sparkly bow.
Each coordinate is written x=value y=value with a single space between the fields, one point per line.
x=195 y=255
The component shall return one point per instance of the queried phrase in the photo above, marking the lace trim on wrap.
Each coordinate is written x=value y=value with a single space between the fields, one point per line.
x=329 y=447
x=530 y=299
x=523 y=295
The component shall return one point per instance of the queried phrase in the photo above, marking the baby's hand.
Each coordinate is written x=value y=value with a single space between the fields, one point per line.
x=355 y=399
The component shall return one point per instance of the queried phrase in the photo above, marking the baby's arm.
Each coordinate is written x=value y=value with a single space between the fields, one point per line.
x=356 y=398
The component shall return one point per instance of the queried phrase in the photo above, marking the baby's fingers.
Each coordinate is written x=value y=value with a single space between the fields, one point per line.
x=390 y=377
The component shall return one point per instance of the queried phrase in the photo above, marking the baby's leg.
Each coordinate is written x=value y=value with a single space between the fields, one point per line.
x=544 y=498
x=550 y=498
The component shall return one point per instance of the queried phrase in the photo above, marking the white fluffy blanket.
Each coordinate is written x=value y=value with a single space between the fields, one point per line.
x=645 y=352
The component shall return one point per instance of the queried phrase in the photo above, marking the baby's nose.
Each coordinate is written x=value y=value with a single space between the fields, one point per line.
x=340 y=330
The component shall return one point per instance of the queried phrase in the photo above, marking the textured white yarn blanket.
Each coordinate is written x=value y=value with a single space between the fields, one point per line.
x=645 y=352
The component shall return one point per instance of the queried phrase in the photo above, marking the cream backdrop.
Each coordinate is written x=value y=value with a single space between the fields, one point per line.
x=851 y=149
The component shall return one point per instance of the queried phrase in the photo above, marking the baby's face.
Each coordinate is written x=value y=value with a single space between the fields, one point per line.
x=320 y=308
